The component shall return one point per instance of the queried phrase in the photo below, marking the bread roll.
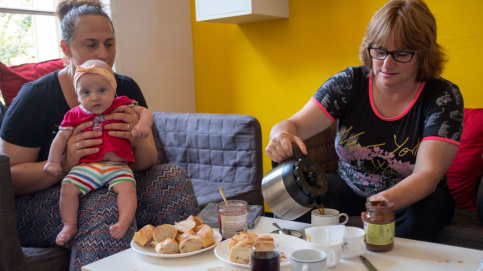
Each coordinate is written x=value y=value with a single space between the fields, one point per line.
x=185 y=225
x=199 y=227
x=144 y=236
x=264 y=238
x=240 y=237
x=206 y=236
x=184 y=234
x=164 y=232
x=190 y=243
x=168 y=246
x=196 y=219
x=241 y=253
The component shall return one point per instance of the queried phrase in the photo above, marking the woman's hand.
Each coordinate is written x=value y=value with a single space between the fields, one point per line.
x=145 y=154
x=123 y=129
x=280 y=146
x=80 y=144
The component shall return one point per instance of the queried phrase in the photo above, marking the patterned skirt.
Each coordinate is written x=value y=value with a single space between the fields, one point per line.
x=165 y=195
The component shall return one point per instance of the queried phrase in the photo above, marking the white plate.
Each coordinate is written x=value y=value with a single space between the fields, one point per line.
x=149 y=250
x=286 y=244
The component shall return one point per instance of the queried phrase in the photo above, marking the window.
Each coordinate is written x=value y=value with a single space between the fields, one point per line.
x=29 y=31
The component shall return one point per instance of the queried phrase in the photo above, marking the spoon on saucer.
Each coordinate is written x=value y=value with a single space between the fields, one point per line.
x=280 y=230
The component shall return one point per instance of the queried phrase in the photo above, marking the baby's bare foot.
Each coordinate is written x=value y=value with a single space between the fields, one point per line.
x=67 y=232
x=118 y=230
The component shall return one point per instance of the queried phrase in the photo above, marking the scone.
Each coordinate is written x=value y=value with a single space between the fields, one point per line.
x=164 y=232
x=190 y=243
x=144 y=236
x=241 y=253
x=168 y=246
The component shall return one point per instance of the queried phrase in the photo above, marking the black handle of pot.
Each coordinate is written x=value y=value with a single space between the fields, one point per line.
x=297 y=154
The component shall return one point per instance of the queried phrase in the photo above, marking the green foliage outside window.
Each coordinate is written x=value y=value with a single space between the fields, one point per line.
x=16 y=39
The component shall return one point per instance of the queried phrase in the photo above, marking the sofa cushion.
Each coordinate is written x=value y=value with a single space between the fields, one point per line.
x=215 y=150
x=467 y=167
x=12 y=78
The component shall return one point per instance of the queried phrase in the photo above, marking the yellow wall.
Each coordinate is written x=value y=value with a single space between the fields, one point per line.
x=270 y=69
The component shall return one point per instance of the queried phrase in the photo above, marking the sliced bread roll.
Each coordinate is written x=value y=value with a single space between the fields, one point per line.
x=196 y=219
x=241 y=253
x=206 y=236
x=144 y=236
x=164 y=232
x=184 y=234
x=168 y=246
x=190 y=243
x=199 y=227
x=264 y=238
x=185 y=225
x=240 y=237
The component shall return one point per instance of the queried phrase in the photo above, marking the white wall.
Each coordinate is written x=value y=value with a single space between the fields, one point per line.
x=154 y=46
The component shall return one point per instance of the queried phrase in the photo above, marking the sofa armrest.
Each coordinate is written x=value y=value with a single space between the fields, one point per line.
x=479 y=200
x=215 y=150
x=11 y=254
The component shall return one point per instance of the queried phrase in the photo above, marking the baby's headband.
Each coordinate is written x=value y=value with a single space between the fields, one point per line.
x=95 y=70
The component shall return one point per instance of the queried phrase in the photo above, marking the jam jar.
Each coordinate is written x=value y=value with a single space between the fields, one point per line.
x=380 y=226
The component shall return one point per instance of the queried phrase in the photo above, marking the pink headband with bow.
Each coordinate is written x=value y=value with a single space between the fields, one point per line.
x=95 y=70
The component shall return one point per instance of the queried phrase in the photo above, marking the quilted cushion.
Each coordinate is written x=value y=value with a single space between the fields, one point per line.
x=467 y=167
x=12 y=78
x=215 y=150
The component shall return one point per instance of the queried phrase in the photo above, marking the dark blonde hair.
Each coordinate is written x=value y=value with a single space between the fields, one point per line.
x=413 y=27
x=68 y=11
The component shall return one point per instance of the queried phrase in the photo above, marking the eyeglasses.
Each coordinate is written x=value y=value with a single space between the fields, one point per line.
x=399 y=56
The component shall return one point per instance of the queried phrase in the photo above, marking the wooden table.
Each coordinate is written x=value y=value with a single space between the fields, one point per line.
x=406 y=255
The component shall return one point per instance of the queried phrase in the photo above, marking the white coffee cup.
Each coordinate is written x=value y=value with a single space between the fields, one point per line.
x=354 y=244
x=308 y=260
x=330 y=217
x=328 y=239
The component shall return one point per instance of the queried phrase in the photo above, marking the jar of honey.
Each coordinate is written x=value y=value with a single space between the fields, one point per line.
x=380 y=225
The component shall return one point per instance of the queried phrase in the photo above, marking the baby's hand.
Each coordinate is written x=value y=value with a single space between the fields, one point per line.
x=52 y=169
x=141 y=130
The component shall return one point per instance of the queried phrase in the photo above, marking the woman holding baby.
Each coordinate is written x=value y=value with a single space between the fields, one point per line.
x=32 y=122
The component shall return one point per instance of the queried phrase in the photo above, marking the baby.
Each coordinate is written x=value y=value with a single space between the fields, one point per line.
x=95 y=86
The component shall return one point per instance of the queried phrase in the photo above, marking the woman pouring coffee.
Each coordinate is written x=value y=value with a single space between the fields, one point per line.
x=398 y=123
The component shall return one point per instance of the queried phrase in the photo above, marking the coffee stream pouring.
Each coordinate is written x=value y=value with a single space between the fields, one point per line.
x=294 y=187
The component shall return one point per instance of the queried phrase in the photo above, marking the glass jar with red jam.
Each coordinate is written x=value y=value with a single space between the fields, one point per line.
x=380 y=225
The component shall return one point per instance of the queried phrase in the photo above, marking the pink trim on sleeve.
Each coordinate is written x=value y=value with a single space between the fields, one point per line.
x=442 y=139
x=322 y=108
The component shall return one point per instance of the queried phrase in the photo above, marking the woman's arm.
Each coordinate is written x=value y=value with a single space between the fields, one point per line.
x=307 y=122
x=433 y=160
x=28 y=175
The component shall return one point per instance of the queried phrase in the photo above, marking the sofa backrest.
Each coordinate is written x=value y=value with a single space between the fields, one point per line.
x=216 y=150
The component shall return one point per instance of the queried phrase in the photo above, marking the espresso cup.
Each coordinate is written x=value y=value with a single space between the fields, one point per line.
x=354 y=244
x=308 y=260
x=330 y=217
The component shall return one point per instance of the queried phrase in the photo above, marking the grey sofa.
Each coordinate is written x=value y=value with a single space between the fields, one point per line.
x=215 y=150
x=466 y=227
